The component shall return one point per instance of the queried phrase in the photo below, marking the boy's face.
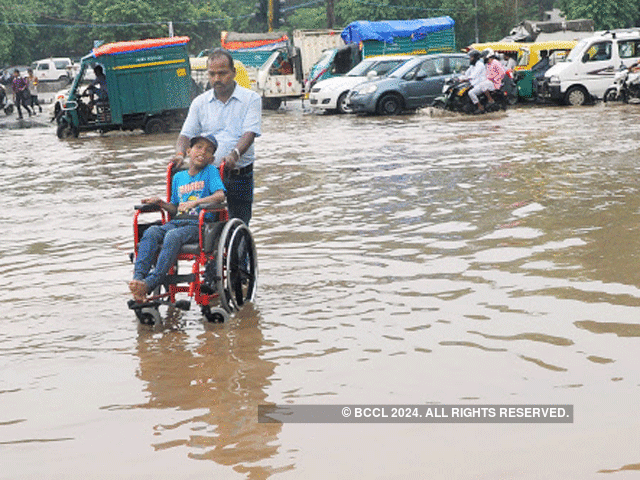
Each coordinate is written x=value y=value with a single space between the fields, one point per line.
x=201 y=154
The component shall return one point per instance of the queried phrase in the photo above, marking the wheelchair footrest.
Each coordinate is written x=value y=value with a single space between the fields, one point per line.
x=133 y=305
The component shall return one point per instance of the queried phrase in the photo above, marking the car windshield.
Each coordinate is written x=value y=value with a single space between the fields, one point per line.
x=381 y=67
x=325 y=58
x=575 y=52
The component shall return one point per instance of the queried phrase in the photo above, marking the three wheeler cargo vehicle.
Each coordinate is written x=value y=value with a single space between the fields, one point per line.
x=148 y=86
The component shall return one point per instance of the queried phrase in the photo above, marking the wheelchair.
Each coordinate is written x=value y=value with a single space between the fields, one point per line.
x=224 y=268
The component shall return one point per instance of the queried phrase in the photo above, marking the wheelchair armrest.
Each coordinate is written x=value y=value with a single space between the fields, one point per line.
x=148 y=207
x=213 y=206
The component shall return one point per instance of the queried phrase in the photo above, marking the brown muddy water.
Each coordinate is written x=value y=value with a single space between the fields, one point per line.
x=418 y=260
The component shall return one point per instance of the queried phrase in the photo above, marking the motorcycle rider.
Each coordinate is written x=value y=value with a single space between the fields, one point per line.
x=477 y=75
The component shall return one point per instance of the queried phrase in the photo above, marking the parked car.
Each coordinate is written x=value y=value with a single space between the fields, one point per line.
x=6 y=76
x=412 y=85
x=331 y=94
x=590 y=67
x=52 y=69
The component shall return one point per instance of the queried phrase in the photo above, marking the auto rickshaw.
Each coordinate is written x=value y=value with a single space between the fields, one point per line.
x=149 y=86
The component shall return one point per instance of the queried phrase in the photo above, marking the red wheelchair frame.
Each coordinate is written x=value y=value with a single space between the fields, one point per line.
x=224 y=264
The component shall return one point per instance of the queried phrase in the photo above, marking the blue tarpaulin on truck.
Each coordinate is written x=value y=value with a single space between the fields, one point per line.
x=386 y=31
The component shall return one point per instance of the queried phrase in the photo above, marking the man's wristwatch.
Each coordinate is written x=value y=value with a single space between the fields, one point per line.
x=237 y=152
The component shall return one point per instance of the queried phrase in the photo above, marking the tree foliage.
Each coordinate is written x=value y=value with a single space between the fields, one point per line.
x=606 y=14
x=32 y=29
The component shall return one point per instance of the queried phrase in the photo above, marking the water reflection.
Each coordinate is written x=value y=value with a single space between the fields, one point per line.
x=218 y=376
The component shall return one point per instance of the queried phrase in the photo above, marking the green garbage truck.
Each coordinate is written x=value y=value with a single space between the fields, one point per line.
x=146 y=85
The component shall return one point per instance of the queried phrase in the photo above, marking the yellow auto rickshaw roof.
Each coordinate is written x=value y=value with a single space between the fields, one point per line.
x=497 y=46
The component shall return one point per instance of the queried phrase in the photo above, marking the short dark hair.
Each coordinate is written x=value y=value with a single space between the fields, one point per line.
x=222 y=53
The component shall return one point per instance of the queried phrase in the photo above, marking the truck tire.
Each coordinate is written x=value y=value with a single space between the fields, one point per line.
x=154 y=125
x=576 y=96
x=271 y=103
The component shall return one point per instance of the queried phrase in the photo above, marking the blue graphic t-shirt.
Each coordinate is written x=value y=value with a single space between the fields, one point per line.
x=185 y=188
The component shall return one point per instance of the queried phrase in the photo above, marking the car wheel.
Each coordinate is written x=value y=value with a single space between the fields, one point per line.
x=343 y=105
x=576 y=96
x=390 y=104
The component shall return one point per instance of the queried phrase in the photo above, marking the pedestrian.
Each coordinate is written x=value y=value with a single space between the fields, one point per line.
x=233 y=114
x=32 y=85
x=198 y=185
x=21 y=93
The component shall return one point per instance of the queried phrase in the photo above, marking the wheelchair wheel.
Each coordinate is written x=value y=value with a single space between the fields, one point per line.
x=242 y=267
x=148 y=315
x=215 y=315
x=236 y=265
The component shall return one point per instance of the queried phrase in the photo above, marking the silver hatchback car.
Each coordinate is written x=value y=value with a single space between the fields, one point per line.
x=413 y=85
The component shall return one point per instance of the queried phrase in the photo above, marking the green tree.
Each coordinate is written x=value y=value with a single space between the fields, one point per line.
x=605 y=13
x=15 y=31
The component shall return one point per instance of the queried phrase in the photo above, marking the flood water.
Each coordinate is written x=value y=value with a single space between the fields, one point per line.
x=419 y=259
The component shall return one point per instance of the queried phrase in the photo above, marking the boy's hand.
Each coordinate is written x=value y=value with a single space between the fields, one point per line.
x=186 y=207
x=156 y=200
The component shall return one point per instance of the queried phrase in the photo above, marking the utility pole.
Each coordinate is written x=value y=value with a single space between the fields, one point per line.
x=475 y=6
x=270 y=16
x=331 y=18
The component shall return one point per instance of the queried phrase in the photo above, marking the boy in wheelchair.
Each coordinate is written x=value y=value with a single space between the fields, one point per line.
x=200 y=184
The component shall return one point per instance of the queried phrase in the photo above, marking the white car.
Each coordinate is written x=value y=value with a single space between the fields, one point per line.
x=54 y=69
x=331 y=94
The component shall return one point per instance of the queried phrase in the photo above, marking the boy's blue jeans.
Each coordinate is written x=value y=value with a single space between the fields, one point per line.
x=171 y=236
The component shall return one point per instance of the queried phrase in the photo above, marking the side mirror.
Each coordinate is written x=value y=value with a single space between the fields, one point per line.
x=420 y=76
x=371 y=74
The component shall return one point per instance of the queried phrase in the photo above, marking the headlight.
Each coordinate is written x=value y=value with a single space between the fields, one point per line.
x=554 y=79
x=368 y=89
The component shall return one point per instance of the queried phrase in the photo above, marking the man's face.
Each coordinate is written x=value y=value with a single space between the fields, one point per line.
x=221 y=75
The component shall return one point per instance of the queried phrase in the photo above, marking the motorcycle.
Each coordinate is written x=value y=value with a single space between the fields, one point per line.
x=625 y=86
x=5 y=101
x=455 y=96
